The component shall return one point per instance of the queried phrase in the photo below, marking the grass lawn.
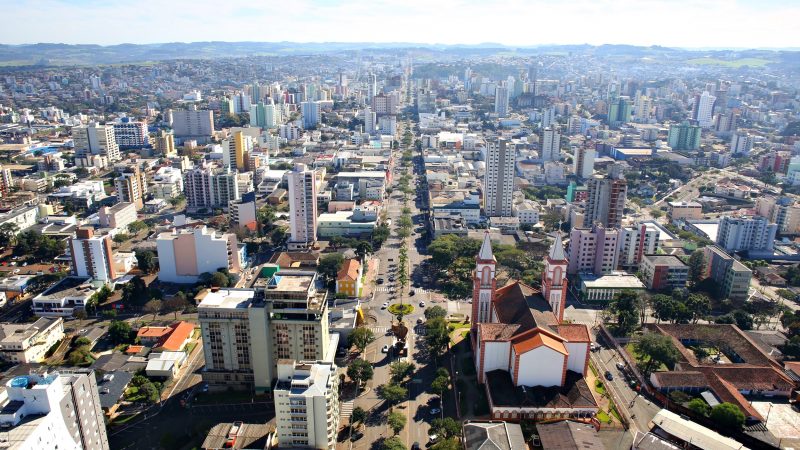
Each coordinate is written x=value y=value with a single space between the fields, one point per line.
x=594 y=371
x=603 y=417
x=599 y=387
x=122 y=420
x=190 y=346
x=734 y=64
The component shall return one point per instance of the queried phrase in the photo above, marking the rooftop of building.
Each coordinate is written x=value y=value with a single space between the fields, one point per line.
x=665 y=260
x=574 y=394
x=19 y=332
x=250 y=435
x=111 y=386
x=68 y=287
x=493 y=435
x=688 y=431
x=225 y=298
x=306 y=379
x=349 y=271
x=616 y=280
x=569 y=435
x=685 y=204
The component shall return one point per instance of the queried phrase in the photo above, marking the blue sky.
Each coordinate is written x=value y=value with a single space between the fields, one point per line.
x=678 y=23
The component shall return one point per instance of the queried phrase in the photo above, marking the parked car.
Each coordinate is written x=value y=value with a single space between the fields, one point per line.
x=357 y=435
x=421 y=304
x=609 y=376
x=379 y=281
x=385 y=305
x=620 y=366
x=385 y=349
x=411 y=293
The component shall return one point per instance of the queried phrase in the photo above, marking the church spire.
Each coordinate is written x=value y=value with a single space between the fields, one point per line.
x=486 y=249
x=557 y=250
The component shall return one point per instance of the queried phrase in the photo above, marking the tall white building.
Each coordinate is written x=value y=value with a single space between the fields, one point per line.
x=96 y=139
x=498 y=183
x=210 y=187
x=754 y=233
x=186 y=253
x=501 y=101
x=311 y=114
x=635 y=242
x=704 y=109
x=550 y=145
x=372 y=86
x=548 y=117
x=307 y=404
x=53 y=411
x=583 y=162
x=131 y=134
x=370 y=119
x=92 y=256
x=192 y=124
x=303 y=205
x=741 y=143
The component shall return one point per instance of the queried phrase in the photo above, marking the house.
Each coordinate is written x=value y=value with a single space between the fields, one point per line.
x=348 y=280
x=111 y=387
x=172 y=338
x=530 y=362
x=569 y=435
x=164 y=364
x=492 y=435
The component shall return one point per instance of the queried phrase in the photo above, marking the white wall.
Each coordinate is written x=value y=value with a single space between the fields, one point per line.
x=578 y=353
x=496 y=356
x=541 y=366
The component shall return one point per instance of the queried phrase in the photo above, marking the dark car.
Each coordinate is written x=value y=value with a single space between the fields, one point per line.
x=415 y=446
x=357 y=435
x=411 y=293
x=379 y=281
x=608 y=376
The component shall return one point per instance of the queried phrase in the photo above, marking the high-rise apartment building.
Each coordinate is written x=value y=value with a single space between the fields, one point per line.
x=264 y=115
x=752 y=233
x=311 y=114
x=606 y=201
x=684 y=136
x=307 y=404
x=498 y=183
x=186 y=253
x=635 y=242
x=131 y=186
x=372 y=86
x=619 y=111
x=741 y=143
x=703 y=111
x=92 y=256
x=303 y=206
x=501 y=101
x=130 y=134
x=96 y=139
x=210 y=187
x=731 y=278
x=165 y=144
x=385 y=104
x=6 y=181
x=593 y=250
x=370 y=121
x=192 y=124
x=236 y=151
x=550 y=145
x=247 y=331
x=782 y=211
x=53 y=411
x=583 y=162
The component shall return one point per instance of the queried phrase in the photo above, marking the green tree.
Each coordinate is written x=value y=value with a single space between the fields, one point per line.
x=625 y=308
x=401 y=370
x=137 y=226
x=150 y=393
x=699 y=406
x=360 y=338
x=8 y=233
x=392 y=393
x=658 y=349
x=437 y=335
x=446 y=444
x=663 y=307
x=728 y=416
x=363 y=249
x=359 y=415
x=176 y=304
x=135 y=292
x=393 y=443
x=698 y=306
x=446 y=427
x=697 y=267
x=153 y=307
x=146 y=261
x=329 y=266
x=440 y=385
x=219 y=279
x=360 y=371
x=380 y=234
x=435 y=312
x=396 y=421
x=120 y=332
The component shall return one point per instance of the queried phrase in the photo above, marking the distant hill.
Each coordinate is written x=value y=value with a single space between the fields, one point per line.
x=48 y=54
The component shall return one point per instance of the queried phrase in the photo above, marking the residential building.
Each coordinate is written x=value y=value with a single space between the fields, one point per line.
x=370 y=121
x=307 y=404
x=494 y=434
x=527 y=212
x=348 y=280
x=731 y=278
x=192 y=124
x=741 y=143
x=130 y=134
x=311 y=114
x=65 y=297
x=703 y=111
x=501 y=101
x=186 y=253
x=208 y=187
x=23 y=343
x=247 y=331
x=524 y=355
x=636 y=241
x=131 y=186
x=165 y=144
x=168 y=339
x=684 y=136
x=167 y=183
x=96 y=139
x=583 y=162
x=236 y=151
x=118 y=216
x=385 y=104
x=606 y=201
x=664 y=272
x=23 y=217
x=593 y=250
x=302 y=206
x=498 y=185
x=550 y=145
x=92 y=256
x=782 y=211
x=53 y=411
x=6 y=181
x=619 y=111
x=684 y=211
x=265 y=115
x=243 y=212
x=747 y=233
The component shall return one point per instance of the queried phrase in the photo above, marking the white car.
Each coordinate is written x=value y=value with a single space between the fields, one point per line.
x=385 y=349
x=385 y=305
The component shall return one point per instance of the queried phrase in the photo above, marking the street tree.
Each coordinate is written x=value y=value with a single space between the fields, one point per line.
x=363 y=249
x=658 y=349
x=447 y=444
x=446 y=427
x=401 y=370
x=396 y=421
x=437 y=335
x=728 y=416
x=393 y=443
x=358 y=416
x=360 y=338
x=392 y=393
x=153 y=307
x=120 y=332
x=360 y=371
x=176 y=304
x=696 y=267
x=440 y=385
x=625 y=309
x=435 y=312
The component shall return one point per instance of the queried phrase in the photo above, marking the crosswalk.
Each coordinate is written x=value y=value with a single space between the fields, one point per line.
x=346 y=409
x=418 y=291
x=378 y=330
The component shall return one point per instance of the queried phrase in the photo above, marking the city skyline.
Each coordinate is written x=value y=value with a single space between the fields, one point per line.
x=687 y=22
